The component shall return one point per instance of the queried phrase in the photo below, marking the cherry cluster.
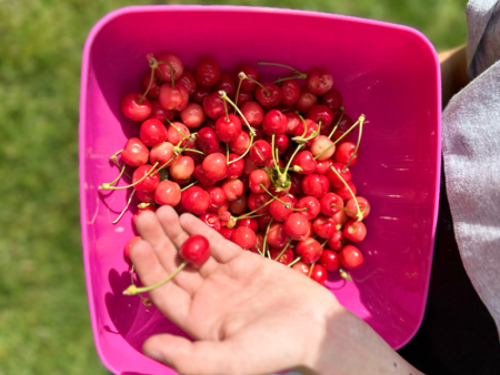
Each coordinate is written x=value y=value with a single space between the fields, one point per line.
x=266 y=164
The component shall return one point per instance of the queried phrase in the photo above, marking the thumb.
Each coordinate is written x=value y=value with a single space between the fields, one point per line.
x=197 y=358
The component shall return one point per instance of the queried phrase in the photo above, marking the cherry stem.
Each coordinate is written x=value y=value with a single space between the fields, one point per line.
x=178 y=131
x=311 y=269
x=164 y=165
x=273 y=154
x=360 y=121
x=338 y=122
x=301 y=139
x=238 y=93
x=291 y=159
x=242 y=76
x=324 y=243
x=144 y=205
x=244 y=216
x=171 y=71
x=288 y=78
x=258 y=250
x=145 y=301
x=296 y=260
x=224 y=96
x=284 y=249
x=190 y=185
x=287 y=205
x=108 y=187
x=132 y=289
x=301 y=75
x=153 y=64
x=119 y=176
x=359 y=214
x=357 y=146
x=114 y=160
x=227 y=153
x=244 y=154
x=125 y=208
x=344 y=275
x=194 y=150
x=346 y=209
x=264 y=246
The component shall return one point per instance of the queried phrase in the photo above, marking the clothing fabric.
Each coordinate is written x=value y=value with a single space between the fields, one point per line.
x=471 y=153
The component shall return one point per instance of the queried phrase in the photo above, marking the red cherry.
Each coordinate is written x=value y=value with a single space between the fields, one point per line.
x=174 y=135
x=135 y=153
x=187 y=80
x=215 y=166
x=251 y=223
x=270 y=97
x=310 y=250
x=239 y=205
x=244 y=237
x=217 y=198
x=312 y=205
x=319 y=274
x=214 y=105
x=280 y=211
x=226 y=232
x=154 y=88
x=160 y=113
x=226 y=83
x=211 y=220
x=135 y=107
x=235 y=169
x=330 y=260
x=145 y=196
x=301 y=267
x=344 y=193
x=297 y=226
x=264 y=221
x=354 y=231
x=291 y=91
x=286 y=258
x=207 y=140
x=153 y=132
x=182 y=167
x=173 y=98
x=241 y=144
x=319 y=81
x=250 y=72
x=257 y=177
x=198 y=95
x=192 y=115
x=320 y=113
x=168 y=193
x=350 y=257
x=330 y=204
x=274 y=122
x=337 y=241
x=195 y=250
x=223 y=212
x=322 y=148
x=257 y=201
x=147 y=184
x=244 y=97
x=195 y=200
x=306 y=100
x=261 y=152
x=228 y=128
x=332 y=99
x=207 y=72
x=164 y=72
x=344 y=124
x=324 y=227
x=277 y=237
x=293 y=122
x=233 y=188
x=340 y=218
x=249 y=165
x=364 y=206
x=322 y=166
x=253 y=112
x=296 y=183
x=312 y=185
x=129 y=244
x=344 y=152
x=341 y=169
x=199 y=175
x=304 y=160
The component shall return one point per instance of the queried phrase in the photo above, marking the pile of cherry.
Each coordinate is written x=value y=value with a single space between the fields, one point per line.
x=265 y=164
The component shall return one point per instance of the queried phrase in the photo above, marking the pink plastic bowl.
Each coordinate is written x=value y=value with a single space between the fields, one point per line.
x=388 y=72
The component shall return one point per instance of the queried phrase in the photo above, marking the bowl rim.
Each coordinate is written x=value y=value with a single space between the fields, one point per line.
x=95 y=30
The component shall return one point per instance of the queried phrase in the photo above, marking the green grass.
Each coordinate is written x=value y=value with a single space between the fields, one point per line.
x=44 y=318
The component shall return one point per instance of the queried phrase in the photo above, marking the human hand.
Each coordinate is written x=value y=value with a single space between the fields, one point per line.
x=248 y=314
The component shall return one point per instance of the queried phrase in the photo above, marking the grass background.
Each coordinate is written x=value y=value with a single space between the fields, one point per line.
x=44 y=318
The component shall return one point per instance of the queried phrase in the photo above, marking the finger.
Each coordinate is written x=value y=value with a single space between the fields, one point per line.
x=172 y=300
x=222 y=250
x=196 y=358
x=169 y=221
x=151 y=230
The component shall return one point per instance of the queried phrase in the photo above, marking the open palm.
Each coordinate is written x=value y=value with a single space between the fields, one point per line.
x=248 y=314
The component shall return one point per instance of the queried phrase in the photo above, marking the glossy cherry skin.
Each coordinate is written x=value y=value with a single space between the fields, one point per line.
x=322 y=166
x=305 y=161
x=163 y=72
x=244 y=97
x=354 y=231
x=228 y=128
x=149 y=183
x=312 y=204
x=250 y=72
x=258 y=177
x=320 y=113
x=332 y=99
x=240 y=144
x=226 y=83
x=192 y=115
x=244 y=237
x=207 y=73
x=198 y=95
x=350 y=257
x=277 y=237
x=257 y=202
x=330 y=260
x=217 y=198
x=226 y=232
x=213 y=105
x=260 y=152
x=253 y=112
x=306 y=100
x=251 y=223
x=211 y=219
x=340 y=218
x=344 y=152
x=344 y=124
x=319 y=81
x=173 y=98
x=280 y=211
x=203 y=181
x=319 y=274
x=134 y=110
x=135 y=153
x=223 y=213
x=324 y=226
x=215 y=166
x=128 y=246
x=240 y=205
x=322 y=148
x=281 y=142
x=312 y=185
x=290 y=92
x=344 y=193
x=168 y=192
x=286 y=258
x=207 y=140
x=233 y=188
x=145 y=196
x=187 y=80
x=335 y=181
x=296 y=183
x=274 y=122
x=235 y=169
x=268 y=99
x=330 y=204
x=152 y=132
x=301 y=267
x=154 y=88
x=293 y=122
x=337 y=241
x=195 y=200
x=297 y=226
x=174 y=135
x=310 y=250
x=196 y=250
x=364 y=206
x=182 y=167
x=160 y=113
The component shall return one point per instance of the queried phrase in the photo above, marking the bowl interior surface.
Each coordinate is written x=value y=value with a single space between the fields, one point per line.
x=387 y=72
